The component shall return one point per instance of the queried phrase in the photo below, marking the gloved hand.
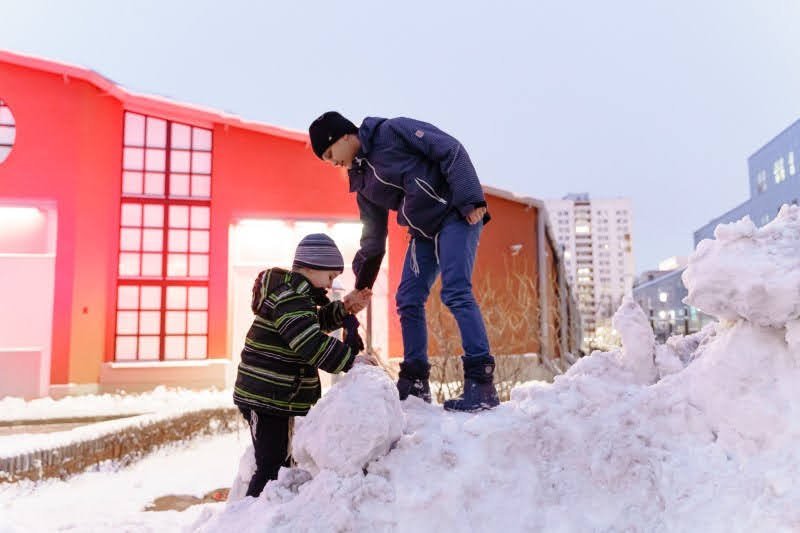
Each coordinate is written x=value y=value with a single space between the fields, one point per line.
x=351 y=336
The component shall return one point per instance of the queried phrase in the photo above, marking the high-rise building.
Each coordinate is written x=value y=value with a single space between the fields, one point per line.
x=596 y=238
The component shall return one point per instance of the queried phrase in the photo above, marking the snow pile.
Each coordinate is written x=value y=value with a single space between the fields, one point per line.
x=749 y=273
x=698 y=434
x=351 y=426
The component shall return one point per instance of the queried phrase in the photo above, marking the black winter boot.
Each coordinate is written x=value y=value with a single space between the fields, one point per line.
x=479 y=392
x=413 y=380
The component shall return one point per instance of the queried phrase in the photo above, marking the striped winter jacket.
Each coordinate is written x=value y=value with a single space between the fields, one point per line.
x=287 y=343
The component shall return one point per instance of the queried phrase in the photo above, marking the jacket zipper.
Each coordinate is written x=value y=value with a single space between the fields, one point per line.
x=426 y=187
x=377 y=176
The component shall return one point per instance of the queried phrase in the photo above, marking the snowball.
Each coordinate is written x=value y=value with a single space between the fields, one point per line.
x=357 y=421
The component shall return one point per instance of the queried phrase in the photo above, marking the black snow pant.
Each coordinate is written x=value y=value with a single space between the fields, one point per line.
x=271 y=436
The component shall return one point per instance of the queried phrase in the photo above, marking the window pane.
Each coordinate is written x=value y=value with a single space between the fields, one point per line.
x=197 y=322
x=176 y=297
x=131 y=215
x=130 y=239
x=156 y=132
x=199 y=241
x=133 y=159
x=155 y=159
x=201 y=162
x=175 y=347
x=148 y=348
x=126 y=322
x=131 y=183
x=196 y=347
x=175 y=322
x=128 y=264
x=181 y=136
x=178 y=185
x=154 y=183
x=151 y=298
x=127 y=297
x=149 y=322
x=126 y=348
x=6 y=117
x=179 y=161
x=154 y=216
x=198 y=265
x=200 y=217
x=201 y=186
x=153 y=240
x=178 y=240
x=202 y=139
x=151 y=264
x=198 y=297
x=7 y=134
x=177 y=265
x=134 y=129
x=179 y=216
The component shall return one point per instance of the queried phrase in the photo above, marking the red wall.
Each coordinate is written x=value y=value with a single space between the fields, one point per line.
x=68 y=150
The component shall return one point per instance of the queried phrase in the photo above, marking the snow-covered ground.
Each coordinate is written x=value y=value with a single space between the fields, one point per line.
x=159 y=400
x=111 y=500
x=699 y=434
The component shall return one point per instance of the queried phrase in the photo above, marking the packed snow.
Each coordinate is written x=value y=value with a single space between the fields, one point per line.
x=157 y=405
x=113 y=499
x=159 y=400
x=696 y=434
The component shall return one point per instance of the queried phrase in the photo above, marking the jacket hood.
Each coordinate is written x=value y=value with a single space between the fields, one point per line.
x=366 y=132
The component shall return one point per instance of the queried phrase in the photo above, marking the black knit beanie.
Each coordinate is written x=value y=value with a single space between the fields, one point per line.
x=327 y=129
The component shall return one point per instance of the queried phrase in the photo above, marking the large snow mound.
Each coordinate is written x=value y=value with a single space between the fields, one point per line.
x=749 y=273
x=699 y=434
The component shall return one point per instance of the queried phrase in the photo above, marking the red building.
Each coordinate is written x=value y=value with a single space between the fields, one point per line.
x=131 y=228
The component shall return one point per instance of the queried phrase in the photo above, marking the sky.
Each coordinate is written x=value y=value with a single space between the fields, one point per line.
x=661 y=102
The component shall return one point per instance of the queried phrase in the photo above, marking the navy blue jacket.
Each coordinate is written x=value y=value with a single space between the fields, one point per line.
x=413 y=168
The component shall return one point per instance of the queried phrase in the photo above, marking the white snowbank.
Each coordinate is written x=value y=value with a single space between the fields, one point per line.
x=749 y=273
x=158 y=400
x=351 y=425
x=158 y=405
x=699 y=434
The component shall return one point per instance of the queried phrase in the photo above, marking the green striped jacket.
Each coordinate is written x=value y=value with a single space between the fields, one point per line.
x=287 y=343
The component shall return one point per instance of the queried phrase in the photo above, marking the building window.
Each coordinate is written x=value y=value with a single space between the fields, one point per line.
x=162 y=297
x=8 y=131
x=779 y=171
x=791 y=164
x=761 y=181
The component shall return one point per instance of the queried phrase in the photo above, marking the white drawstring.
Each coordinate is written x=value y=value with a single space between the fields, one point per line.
x=436 y=246
x=414 y=263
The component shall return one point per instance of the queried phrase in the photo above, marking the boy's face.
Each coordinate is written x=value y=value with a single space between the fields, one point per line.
x=321 y=279
x=342 y=152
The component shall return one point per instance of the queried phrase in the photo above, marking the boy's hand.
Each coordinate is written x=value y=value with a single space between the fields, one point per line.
x=476 y=215
x=366 y=359
x=356 y=300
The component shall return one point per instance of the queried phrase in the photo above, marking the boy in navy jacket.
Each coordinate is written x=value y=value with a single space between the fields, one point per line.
x=426 y=176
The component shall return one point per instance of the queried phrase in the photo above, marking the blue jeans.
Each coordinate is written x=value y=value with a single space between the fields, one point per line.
x=455 y=245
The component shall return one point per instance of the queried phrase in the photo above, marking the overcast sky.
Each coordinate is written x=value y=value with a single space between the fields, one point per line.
x=661 y=102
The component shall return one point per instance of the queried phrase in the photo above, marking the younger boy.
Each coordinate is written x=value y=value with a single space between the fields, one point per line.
x=277 y=378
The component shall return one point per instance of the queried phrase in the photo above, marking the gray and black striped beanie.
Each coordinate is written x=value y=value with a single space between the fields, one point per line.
x=318 y=251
